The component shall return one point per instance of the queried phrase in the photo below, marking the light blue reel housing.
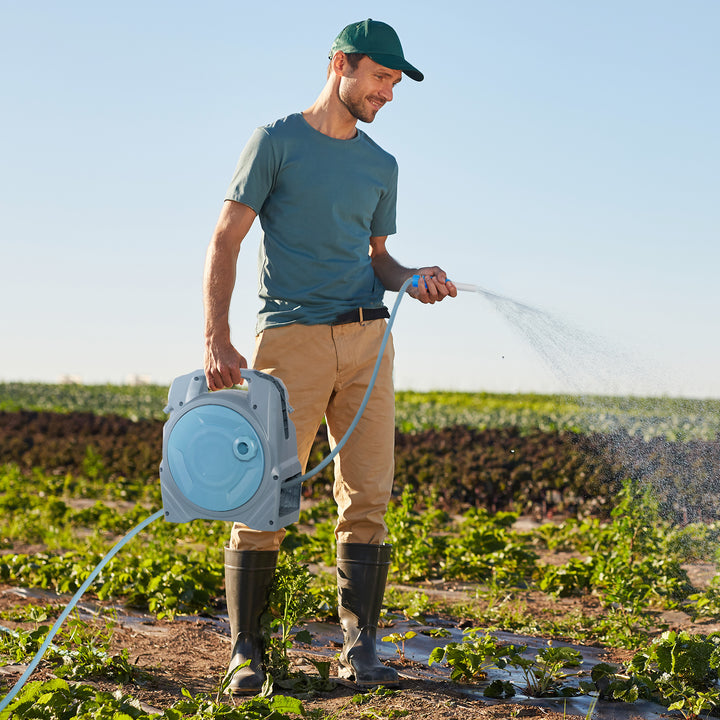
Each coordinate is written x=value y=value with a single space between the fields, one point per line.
x=230 y=454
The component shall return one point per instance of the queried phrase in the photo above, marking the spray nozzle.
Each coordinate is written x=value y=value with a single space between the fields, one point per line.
x=465 y=287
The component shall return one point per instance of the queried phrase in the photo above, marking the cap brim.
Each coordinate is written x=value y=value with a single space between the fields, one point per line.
x=394 y=62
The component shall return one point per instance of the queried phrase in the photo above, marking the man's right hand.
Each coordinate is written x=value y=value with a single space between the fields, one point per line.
x=222 y=366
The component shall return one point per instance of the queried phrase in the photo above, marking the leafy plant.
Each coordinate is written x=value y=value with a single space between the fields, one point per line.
x=486 y=549
x=30 y=613
x=544 y=675
x=681 y=670
x=20 y=645
x=80 y=651
x=705 y=604
x=416 y=547
x=472 y=658
x=290 y=603
x=399 y=640
x=413 y=605
x=58 y=700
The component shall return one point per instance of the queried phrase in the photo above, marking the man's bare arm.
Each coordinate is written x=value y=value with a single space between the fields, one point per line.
x=222 y=360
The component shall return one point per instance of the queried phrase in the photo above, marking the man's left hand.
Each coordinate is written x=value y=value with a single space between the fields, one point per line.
x=433 y=285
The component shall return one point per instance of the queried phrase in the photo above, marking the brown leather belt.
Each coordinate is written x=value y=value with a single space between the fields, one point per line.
x=361 y=315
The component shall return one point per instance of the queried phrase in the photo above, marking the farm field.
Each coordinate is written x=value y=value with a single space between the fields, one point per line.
x=587 y=528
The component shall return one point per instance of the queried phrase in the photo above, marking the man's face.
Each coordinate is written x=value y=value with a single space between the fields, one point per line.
x=365 y=89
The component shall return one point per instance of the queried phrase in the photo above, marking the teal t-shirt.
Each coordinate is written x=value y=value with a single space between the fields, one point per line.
x=319 y=200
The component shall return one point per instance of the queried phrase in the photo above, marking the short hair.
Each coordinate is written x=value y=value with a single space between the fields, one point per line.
x=354 y=59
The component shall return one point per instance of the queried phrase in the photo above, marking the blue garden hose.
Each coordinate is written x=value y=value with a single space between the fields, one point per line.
x=160 y=513
x=81 y=591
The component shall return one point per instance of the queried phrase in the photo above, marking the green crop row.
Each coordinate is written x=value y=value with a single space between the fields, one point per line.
x=646 y=418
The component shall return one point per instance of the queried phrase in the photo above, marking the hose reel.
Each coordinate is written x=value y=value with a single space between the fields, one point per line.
x=230 y=454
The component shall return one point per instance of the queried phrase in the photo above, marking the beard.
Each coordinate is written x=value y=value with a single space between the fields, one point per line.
x=357 y=105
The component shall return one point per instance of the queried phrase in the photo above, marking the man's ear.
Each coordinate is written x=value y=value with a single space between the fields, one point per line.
x=339 y=64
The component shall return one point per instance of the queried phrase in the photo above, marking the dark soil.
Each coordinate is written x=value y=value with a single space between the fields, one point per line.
x=533 y=473
x=193 y=654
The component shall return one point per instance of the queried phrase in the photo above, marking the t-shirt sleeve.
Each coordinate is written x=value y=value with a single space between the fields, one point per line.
x=255 y=172
x=383 y=221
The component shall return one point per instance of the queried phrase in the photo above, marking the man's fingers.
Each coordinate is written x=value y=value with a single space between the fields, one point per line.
x=432 y=286
x=430 y=289
x=225 y=375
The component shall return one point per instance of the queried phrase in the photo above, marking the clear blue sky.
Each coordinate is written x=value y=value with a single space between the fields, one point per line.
x=563 y=153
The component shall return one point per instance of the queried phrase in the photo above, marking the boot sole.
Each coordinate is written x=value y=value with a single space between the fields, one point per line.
x=348 y=674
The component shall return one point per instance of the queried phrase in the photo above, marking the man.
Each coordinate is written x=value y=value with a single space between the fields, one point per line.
x=325 y=194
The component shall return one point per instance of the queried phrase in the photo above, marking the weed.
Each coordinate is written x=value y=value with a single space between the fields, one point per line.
x=290 y=603
x=80 y=651
x=399 y=640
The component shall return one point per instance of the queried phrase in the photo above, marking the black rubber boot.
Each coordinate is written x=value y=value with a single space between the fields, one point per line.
x=248 y=577
x=361 y=576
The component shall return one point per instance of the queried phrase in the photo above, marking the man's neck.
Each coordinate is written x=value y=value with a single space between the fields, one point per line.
x=330 y=117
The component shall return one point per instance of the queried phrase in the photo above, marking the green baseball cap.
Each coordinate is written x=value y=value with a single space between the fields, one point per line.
x=379 y=42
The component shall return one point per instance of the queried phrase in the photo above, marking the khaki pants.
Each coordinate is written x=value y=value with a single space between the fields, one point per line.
x=326 y=369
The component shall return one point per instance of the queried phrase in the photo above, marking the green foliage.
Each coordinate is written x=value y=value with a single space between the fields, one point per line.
x=485 y=548
x=705 y=604
x=140 y=401
x=290 y=604
x=482 y=548
x=278 y=707
x=630 y=563
x=499 y=689
x=413 y=605
x=157 y=580
x=545 y=674
x=664 y=417
x=318 y=545
x=471 y=659
x=19 y=646
x=399 y=640
x=678 y=669
x=568 y=580
x=670 y=418
x=413 y=534
x=79 y=652
x=30 y=613
x=58 y=700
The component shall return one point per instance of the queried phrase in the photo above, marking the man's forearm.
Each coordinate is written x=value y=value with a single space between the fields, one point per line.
x=218 y=285
x=390 y=272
